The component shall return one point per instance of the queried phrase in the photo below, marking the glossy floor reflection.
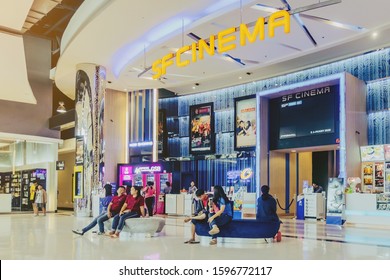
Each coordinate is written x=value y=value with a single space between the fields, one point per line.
x=23 y=236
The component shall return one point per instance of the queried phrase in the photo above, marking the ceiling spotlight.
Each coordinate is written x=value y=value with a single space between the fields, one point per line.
x=196 y=84
x=249 y=73
x=61 y=108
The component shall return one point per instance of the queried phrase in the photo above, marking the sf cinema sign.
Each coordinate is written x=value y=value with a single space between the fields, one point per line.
x=225 y=42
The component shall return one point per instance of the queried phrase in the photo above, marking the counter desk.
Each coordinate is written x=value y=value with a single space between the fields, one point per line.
x=178 y=204
x=362 y=208
x=5 y=203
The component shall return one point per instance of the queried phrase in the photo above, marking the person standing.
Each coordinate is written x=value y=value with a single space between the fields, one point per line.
x=168 y=188
x=113 y=209
x=266 y=206
x=33 y=189
x=150 y=197
x=40 y=200
x=192 y=189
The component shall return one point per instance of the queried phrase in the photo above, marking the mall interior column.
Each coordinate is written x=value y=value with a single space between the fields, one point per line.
x=89 y=104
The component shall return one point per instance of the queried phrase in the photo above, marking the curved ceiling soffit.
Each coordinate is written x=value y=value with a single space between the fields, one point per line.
x=134 y=49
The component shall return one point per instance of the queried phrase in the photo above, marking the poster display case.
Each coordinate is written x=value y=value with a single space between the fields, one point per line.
x=245 y=123
x=387 y=178
x=78 y=182
x=374 y=169
x=202 y=133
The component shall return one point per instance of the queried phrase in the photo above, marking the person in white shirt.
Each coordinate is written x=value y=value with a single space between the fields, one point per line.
x=40 y=201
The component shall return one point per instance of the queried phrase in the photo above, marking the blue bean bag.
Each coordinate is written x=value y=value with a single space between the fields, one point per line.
x=242 y=229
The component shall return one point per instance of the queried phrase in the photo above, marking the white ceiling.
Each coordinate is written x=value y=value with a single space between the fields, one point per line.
x=13 y=13
x=126 y=36
x=17 y=17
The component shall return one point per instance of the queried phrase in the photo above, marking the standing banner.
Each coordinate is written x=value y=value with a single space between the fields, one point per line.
x=335 y=201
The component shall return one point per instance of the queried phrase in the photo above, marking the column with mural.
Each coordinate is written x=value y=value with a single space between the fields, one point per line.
x=89 y=165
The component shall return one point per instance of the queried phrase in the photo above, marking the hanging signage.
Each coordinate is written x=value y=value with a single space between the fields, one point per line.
x=60 y=165
x=223 y=42
x=147 y=168
x=372 y=153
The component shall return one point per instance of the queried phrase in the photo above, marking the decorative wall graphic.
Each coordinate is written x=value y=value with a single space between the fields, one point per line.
x=202 y=129
x=162 y=133
x=90 y=89
x=245 y=123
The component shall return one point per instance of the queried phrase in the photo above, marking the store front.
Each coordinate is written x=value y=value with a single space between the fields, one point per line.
x=23 y=160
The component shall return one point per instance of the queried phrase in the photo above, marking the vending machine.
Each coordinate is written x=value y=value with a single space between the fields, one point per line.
x=140 y=174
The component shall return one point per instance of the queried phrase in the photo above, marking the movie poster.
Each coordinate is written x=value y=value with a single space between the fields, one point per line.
x=245 y=123
x=202 y=129
x=162 y=140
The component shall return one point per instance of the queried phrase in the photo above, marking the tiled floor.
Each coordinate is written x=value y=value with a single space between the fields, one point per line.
x=23 y=236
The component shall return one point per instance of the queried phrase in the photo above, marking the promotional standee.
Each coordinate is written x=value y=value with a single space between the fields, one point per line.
x=139 y=174
x=335 y=201
x=239 y=182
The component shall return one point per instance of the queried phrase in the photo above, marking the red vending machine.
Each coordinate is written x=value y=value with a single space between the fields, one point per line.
x=140 y=174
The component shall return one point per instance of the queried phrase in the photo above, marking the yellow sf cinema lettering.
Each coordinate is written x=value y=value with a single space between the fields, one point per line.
x=225 y=42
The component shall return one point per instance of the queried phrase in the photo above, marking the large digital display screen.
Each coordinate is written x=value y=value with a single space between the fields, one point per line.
x=305 y=118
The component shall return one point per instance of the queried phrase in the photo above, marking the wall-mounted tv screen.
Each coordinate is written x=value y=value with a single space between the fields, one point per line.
x=305 y=118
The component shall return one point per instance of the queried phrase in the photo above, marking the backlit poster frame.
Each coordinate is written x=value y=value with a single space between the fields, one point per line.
x=78 y=182
x=201 y=129
x=245 y=110
x=79 y=150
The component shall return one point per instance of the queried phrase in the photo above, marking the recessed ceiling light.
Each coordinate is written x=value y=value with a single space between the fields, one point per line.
x=375 y=34
x=194 y=87
x=240 y=78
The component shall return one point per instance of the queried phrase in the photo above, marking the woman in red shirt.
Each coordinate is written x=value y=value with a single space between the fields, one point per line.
x=132 y=208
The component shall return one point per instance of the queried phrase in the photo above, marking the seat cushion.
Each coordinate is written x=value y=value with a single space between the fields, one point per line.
x=242 y=229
